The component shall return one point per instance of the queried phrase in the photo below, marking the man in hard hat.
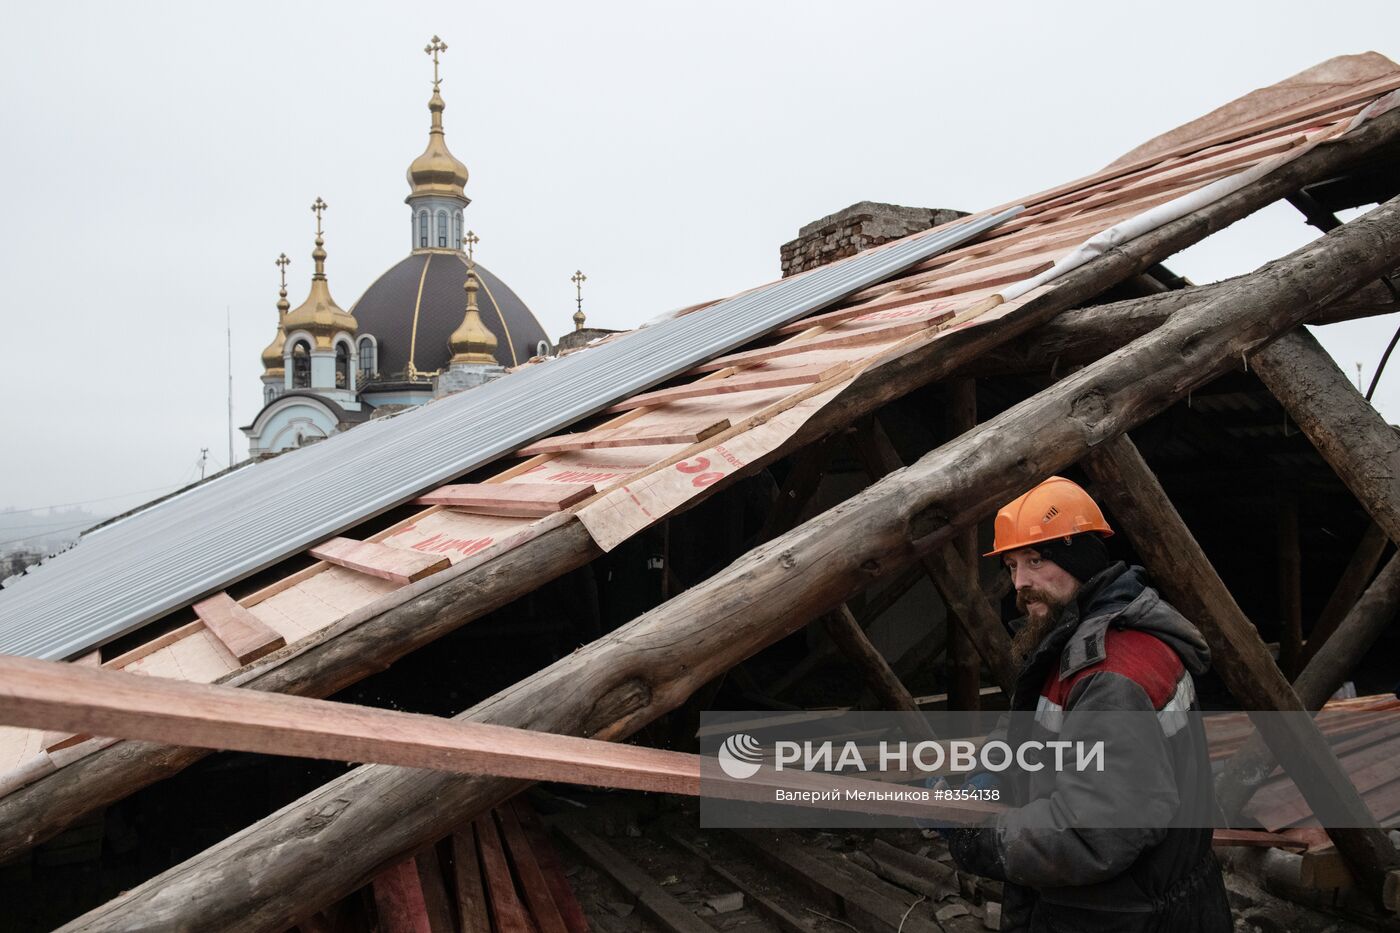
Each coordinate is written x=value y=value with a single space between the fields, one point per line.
x=1125 y=850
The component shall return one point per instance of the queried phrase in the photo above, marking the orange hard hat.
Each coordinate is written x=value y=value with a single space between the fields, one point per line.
x=1057 y=508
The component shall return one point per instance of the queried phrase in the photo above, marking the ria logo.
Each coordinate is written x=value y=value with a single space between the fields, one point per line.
x=740 y=756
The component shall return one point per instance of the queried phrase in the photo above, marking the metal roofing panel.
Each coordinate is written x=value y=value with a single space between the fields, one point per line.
x=214 y=534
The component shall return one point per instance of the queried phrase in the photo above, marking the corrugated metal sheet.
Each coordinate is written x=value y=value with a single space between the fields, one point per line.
x=207 y=538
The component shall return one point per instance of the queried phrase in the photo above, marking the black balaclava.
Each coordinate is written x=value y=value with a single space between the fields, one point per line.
x=1081 y=556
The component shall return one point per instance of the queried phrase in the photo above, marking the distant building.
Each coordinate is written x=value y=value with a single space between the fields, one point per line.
x=432 y=324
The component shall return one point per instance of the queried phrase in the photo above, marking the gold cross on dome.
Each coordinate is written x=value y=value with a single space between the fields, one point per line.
x=317 y=207
x=433 y=48
x=578 y=278
x=471 y=239
x=282 y=263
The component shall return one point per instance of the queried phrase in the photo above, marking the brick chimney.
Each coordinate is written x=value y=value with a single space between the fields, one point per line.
x=858 y=227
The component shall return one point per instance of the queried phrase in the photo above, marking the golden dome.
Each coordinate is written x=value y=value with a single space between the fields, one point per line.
x=319 y=315
x=272 y=353
x=437 y=171
x=472 y=342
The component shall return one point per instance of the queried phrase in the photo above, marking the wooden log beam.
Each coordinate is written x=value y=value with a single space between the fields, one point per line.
x=1085 y=334
x=1185 y=576
x=651 y=665
x=363 y=646
x=1358 y=573
x=964 y=663
x=1349 y=434
x=1248 y=769
x=1290 y=587
x=952 y=575
x=852 y=641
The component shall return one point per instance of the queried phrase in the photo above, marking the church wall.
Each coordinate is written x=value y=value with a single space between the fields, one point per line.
x=279 y=430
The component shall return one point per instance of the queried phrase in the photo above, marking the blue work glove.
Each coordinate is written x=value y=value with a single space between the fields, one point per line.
x=982 y=780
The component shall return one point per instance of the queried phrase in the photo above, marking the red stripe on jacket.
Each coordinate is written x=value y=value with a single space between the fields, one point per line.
x=1143 y=658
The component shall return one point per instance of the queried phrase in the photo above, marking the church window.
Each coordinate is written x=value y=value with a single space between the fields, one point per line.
x=301 y=365
x=366 y=359
x=457 y=230
x=422 y=228
x=342 y=365
x=442 y=228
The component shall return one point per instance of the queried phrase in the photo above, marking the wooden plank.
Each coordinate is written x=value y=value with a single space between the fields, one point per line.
x=623 y=437
x=507 y=913
x=559 y=887
x=154 y=645
x=531 y=879
x=740 y=382
x=52 y=694
x=379 y=560
x=780 y=915
x=53 y=741
x=652 y=899
x=867 y=908
x=473 y=913
x=398 y=900
x=834 y=341
x=245 y=636
x=513 y=500
x=1253 y=838
x=433 y=884
x=212 y=716
x=1325 y=868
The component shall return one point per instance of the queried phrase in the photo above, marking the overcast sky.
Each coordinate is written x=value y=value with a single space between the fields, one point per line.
x=155 y=158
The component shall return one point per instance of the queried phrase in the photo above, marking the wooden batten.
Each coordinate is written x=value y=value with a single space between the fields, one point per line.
x=472 y=910
x=533 y=886
x=379 y=560
x=743 y=382
x=245 y=636
x=548 y=860
x=399 y=902
x=622 y=437
x=507 y=913
x=826 y=342
x=53 y=741
x=513 y=500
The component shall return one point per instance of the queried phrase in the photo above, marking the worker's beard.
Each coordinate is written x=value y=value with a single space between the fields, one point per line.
x=1037 y=625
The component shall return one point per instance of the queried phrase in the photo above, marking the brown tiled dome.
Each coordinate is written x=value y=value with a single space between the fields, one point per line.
x=428 y=287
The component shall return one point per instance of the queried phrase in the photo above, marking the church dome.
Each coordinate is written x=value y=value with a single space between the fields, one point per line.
x=413 y=308
x=272 y=353
x=437 y=171
x=319 y=315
